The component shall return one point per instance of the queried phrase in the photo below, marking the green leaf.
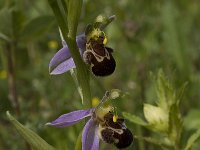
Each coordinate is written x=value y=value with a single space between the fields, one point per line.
x=4 y=37
x=37 y=26
x=157 y=118
x=134 y=119
x=32 y=138
x=165 y=91
x=192 y=139
x=192 y=120
x=79 y=142
x=175 y=124
x=18 y=20
x=6 y=22
x=163 y=142
x=180 y=92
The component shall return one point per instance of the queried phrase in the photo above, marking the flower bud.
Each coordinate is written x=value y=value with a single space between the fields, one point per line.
x=156 y=117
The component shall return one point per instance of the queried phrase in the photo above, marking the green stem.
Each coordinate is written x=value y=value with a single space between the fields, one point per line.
x=10 y=48
x=82 y=72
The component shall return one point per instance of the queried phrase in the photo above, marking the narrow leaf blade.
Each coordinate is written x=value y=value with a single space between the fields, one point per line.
x=192 y=139
x=134 y=119
x=32 y=138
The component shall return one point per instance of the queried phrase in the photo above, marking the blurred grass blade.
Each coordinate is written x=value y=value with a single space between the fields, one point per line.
x=156 y=141
x=175 y=124
x=4 y=37
x=134 y=119
x=79 y=142
x=74 y=76
x=192 y=139
x=32 y=138
x=37 y=27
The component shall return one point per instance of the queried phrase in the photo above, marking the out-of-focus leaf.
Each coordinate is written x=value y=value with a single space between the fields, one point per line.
x=32 y=138
x=175 y=124
x=134 y=119
x=192 y=139
x=181 y=92
x=37 y=27
x=163 y=142
x=171 y=37
x=192 y=120
x=4 y=37
x=157 y=118
x=18 y=20
x=79 y=142
x=6 y=22
x=164 y=90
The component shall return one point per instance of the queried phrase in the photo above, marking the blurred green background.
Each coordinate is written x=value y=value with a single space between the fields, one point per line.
x=146 y=36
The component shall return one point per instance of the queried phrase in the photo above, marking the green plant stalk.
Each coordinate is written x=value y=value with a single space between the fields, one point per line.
x=82 y=73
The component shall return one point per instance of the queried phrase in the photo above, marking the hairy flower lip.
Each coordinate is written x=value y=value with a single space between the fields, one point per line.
x=62 y=60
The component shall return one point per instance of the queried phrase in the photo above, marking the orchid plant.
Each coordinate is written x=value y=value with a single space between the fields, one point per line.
x=103 y=123
x=96 y=57
x=86 y=53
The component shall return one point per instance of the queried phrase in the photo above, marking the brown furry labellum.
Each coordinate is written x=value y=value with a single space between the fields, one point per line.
x=115 y=132
x=99 y=57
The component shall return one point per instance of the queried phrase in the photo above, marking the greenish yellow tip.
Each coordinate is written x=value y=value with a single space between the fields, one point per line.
x=105 y=40
x=100 y=18
x=95 y=101
x=115 y=117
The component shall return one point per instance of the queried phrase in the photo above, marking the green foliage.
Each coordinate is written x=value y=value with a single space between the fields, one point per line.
x=134 y=119
x=165 y=118
x=192 y=139
x=146 y=35
x=32 y=138
x=37 y=27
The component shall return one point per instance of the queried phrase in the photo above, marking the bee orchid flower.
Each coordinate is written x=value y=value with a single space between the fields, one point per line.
x=101 y=125
x=90 y=139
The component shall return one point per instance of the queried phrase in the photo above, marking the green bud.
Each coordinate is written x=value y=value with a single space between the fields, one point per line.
x=115 y=93
x=156 y=117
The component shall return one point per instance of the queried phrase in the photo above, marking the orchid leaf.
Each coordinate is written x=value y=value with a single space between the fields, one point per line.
x=134 y=119
x=31 y=137
x=79 y=142
x=192 y=139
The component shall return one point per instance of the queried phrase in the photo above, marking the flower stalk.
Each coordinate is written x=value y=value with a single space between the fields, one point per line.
x=69 y=37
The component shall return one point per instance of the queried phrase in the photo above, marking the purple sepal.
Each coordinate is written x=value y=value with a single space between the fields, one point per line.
x=62 y=60
x=70 y=118
x=90 y=138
